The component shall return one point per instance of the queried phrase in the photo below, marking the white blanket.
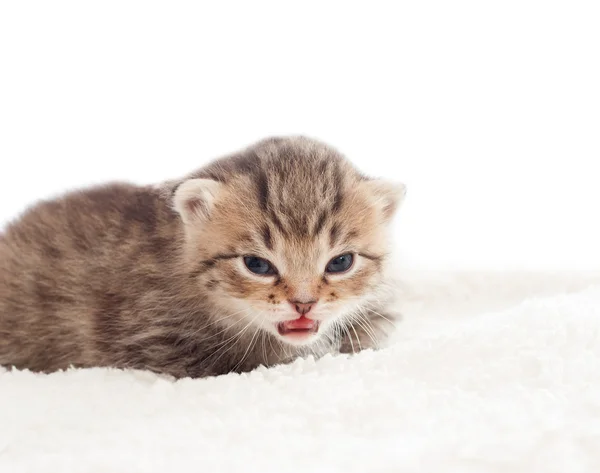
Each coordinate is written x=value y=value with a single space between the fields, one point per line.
x=487 y=373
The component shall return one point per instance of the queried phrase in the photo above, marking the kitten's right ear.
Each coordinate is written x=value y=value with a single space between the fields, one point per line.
x=194 y=199
x=387 y=195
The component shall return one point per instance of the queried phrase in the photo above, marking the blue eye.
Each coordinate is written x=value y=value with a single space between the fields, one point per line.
x=340 y=264
x=259 y=265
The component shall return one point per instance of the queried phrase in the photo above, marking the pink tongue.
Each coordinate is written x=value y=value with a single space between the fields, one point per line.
x=299 y=324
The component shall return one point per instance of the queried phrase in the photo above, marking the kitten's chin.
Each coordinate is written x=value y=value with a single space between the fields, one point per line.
x=299 y=339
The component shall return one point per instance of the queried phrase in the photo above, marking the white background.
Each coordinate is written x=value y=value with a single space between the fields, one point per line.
x=488 y=111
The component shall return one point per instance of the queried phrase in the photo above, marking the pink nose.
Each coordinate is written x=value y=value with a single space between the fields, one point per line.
x=303 y=308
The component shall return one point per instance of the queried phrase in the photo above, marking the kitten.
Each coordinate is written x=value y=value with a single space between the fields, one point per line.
x=271 y=253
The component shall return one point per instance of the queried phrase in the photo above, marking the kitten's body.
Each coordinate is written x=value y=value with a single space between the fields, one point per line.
x=146 y=277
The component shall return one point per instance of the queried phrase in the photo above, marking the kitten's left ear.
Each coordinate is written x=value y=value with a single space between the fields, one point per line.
x=387 y=195
x=194 y=199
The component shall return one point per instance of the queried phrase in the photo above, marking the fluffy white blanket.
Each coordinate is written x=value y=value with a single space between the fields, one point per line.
x=488 y=373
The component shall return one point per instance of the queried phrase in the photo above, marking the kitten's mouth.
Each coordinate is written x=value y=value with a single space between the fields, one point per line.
x=298 y=328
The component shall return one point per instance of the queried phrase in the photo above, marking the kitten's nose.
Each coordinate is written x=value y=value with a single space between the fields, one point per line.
x=303 y=308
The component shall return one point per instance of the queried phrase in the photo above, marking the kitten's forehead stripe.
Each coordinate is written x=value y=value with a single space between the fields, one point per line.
x=334 y=234
x=275 y=219
x=262 y=187
x=300 y=226
x=267 y=237
x=337 y=185
x=320 y=223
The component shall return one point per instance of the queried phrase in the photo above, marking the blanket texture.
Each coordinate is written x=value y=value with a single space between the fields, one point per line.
x=488 y=372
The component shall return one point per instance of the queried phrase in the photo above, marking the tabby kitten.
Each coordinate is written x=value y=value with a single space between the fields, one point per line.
x=271 y=253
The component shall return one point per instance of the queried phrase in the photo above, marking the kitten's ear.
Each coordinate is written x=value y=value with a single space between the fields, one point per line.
x=387 y=195
x=194 y=199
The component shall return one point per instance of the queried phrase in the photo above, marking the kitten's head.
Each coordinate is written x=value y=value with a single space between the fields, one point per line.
x=287 y=236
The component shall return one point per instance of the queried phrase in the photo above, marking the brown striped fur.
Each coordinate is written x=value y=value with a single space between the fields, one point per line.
x=153 y=277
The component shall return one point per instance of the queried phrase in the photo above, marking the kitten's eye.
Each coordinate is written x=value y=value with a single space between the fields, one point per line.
x=259 y=265
x=341 y=263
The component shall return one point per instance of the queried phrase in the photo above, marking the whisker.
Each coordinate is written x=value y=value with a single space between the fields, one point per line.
x=263 y=336
x=250 y=345
x=365 y=325
x=357 y=338
x=270 y=345
x=224 y=318
x=230 y=342
x=222 y=330
x=383 y=317
x=346 y=332
x=204 y=327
